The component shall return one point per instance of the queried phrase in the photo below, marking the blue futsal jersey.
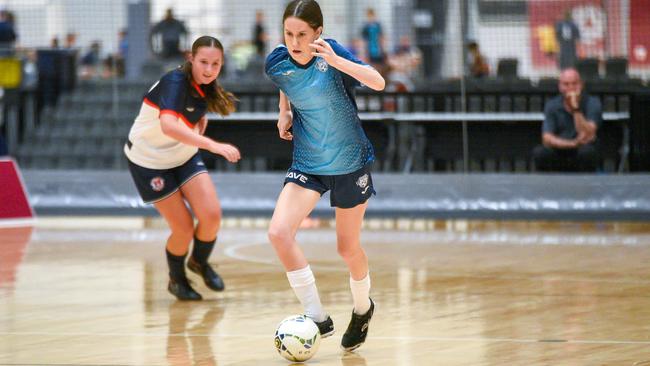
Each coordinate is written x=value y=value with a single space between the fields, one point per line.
x=327 y=135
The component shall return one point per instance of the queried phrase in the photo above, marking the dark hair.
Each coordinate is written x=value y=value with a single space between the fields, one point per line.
x=305 y=10
x=219 y=100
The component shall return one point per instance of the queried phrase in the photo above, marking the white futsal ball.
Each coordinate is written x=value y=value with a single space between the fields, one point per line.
x=297 y=338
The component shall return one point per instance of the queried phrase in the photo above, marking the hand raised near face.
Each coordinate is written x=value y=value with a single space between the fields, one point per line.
x=324 y=50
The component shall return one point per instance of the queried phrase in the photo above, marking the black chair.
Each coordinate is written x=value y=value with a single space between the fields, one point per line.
x=588 y=68
x=507 y=68
x=616 y=67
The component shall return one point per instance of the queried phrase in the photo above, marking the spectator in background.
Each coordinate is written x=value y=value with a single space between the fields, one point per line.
x=70 y=45
x=170 y=32
x=259 y=34
x=571 y=122
x=403 y=65
x=373 y=35
x=8 y=34
x=71 y=40
x=122 y=52
x=357 y=49
x=567 y=35
x=90 y=61
x=123 y=43
x=478 y=66
x=114 y=64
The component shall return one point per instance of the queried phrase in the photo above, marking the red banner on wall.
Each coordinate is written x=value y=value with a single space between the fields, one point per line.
x=14 y=205
x=587 y=15
x=639 y=45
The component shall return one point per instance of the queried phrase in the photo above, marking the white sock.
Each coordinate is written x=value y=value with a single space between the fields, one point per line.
x=361 y=294
x=304 y=285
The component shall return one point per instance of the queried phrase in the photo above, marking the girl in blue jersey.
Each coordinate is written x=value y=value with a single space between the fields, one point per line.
x=166 y=165
x=331 y=152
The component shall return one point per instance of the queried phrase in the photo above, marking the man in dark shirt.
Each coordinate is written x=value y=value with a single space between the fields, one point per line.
x=171 y=31
x=567 y=35
x=571 y=122
x=259 y=34
x=7 y=33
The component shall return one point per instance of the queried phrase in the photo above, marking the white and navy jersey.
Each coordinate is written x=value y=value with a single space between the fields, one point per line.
x=327 y=135
x=172 y=94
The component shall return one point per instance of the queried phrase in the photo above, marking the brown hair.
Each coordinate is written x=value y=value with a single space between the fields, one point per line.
x=305 y=10
x=218 y=99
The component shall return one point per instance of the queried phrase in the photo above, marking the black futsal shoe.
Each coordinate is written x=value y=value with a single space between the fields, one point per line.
x=210 y=276
x=183 y=291
x=357 y=330
x=326 y=327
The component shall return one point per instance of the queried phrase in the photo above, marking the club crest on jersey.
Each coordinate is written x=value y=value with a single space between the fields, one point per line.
x=321 y=65
x=362 y=181
x=157 y=184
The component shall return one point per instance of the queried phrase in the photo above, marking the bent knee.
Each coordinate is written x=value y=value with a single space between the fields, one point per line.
x=210 y=216
x=279 y=235
x=183 y=230
x=348 y=251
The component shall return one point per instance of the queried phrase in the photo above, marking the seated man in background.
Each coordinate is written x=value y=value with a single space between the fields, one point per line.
x=571 y=122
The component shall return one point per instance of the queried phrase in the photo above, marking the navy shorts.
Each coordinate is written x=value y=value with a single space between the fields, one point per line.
x=346 y=190
x=157 y=184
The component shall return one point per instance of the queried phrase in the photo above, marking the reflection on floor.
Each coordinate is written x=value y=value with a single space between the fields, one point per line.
x=476 y=293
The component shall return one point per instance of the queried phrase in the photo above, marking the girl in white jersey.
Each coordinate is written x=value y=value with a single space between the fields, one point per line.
x=331 y=153
x=167 y=167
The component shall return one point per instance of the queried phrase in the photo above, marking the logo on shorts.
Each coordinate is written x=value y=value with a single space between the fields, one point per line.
x=297 y=176
x=363 y=183
x=157 y=184
x=321 y=65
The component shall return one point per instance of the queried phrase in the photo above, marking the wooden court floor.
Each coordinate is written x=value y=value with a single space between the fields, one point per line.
x=461 y=294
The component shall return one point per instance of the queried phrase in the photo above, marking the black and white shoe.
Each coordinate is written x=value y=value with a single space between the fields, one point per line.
x=357 y=330
x=209 y=275
x=183 y=290
x=326 y=327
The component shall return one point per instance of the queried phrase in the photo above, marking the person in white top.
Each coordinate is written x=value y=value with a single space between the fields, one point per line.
x=166 y=166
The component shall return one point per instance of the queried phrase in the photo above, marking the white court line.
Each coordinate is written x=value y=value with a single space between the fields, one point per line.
x=231 y=250
x=399 y=338
x=19 y=222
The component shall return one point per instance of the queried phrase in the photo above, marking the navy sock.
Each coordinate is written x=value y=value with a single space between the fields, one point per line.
x=202 y=249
